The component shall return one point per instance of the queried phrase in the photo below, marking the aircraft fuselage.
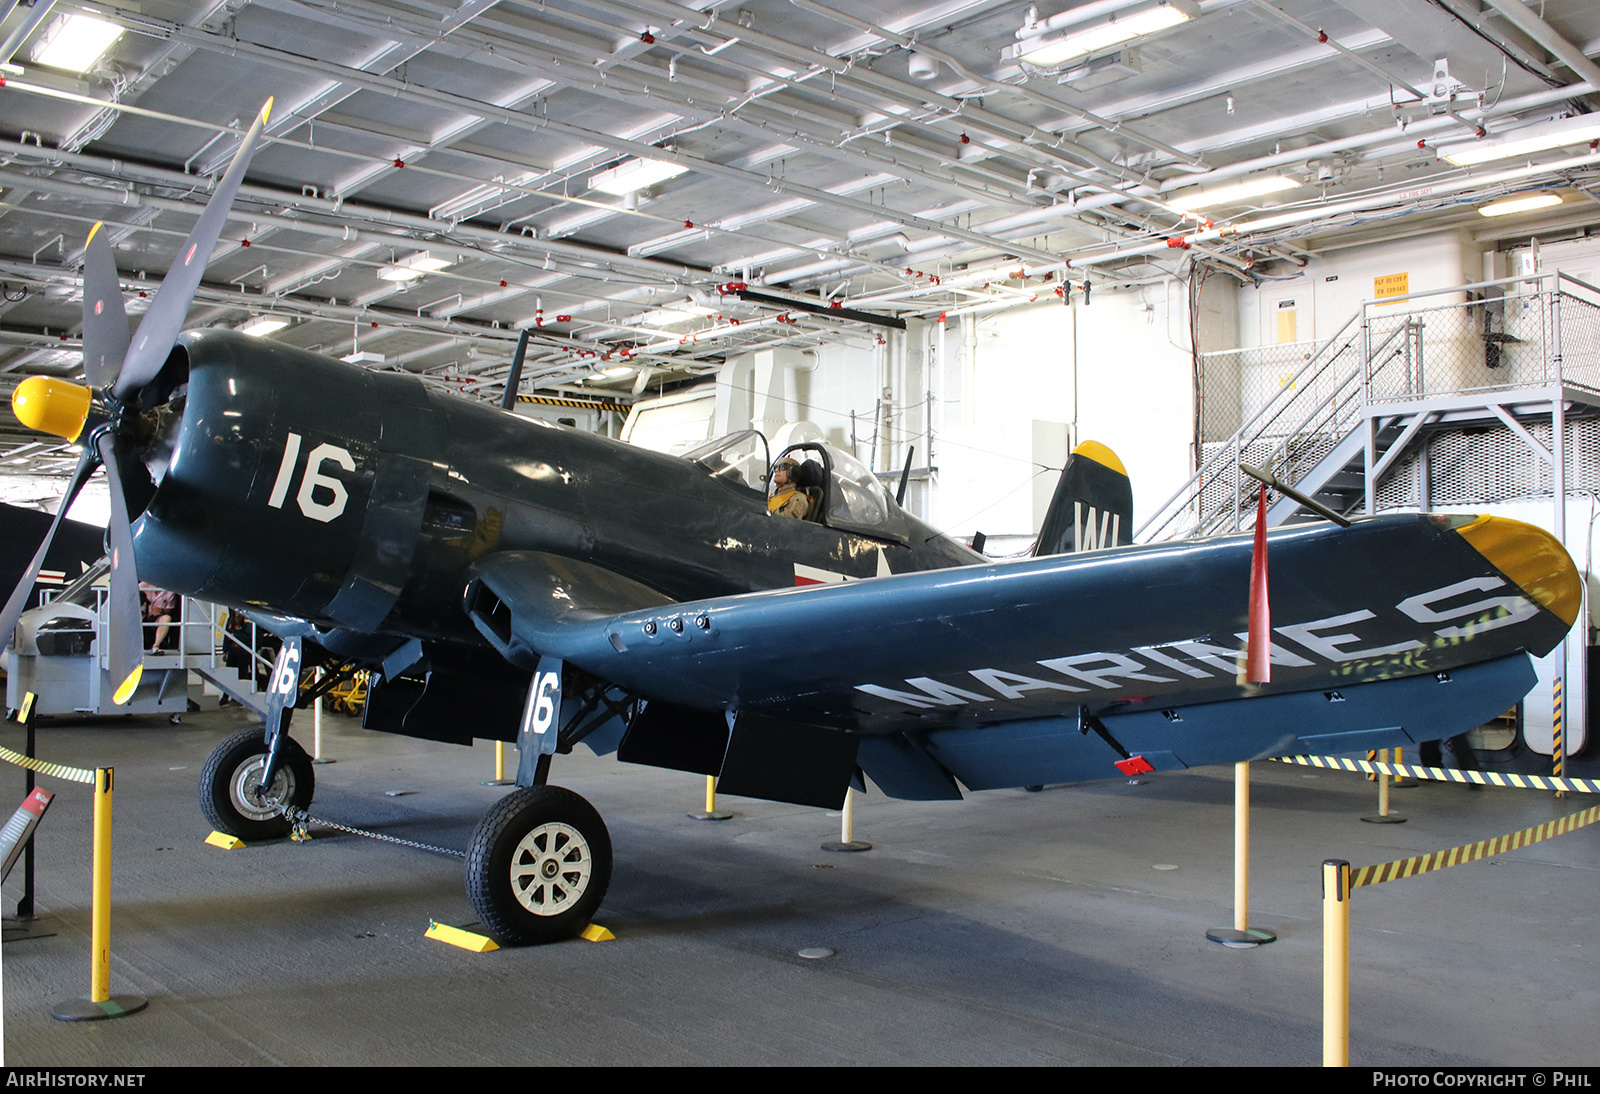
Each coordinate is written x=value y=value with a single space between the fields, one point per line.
x=360 y=500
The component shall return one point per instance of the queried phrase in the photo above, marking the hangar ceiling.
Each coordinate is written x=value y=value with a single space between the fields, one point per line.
x=439 y=176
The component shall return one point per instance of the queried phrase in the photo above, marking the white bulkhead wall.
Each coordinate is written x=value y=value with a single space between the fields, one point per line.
x=997 y=400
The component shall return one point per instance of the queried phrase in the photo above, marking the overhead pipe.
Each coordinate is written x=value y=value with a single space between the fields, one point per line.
x=930 y=249
x=1550 y=38
x=525 y=190
x=1531 y=101
x=735 y=116
x=1371 y=66
x=1301 y=216
x=517 y=119
x=1024 y=91
x=910 y=95
x=39 y=12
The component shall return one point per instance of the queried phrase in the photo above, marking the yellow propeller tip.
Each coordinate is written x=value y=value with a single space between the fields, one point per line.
x=97 y=226
x=266 y=109
x=125 y=692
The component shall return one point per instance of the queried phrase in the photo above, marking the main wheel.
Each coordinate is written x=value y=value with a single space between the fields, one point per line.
x=538 y=866
x=228 y=797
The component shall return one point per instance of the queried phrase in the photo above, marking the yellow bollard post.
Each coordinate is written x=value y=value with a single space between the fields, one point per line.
x=1241 y=936
x=1402 y=782
x=499 y=767
x=1335 y=963
x=1241 y=846
x=847 y=827
x=1383 y=815
x=100 y=891
x=316 y=722
x=711 y=813
x=100 y=1003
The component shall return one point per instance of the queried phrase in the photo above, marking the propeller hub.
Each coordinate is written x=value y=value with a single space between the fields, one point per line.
x=57 y=407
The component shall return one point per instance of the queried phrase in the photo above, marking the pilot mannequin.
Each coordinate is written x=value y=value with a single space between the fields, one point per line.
x=786 y=499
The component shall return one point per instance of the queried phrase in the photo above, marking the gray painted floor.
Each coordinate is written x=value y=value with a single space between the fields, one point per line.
x=1013 y=928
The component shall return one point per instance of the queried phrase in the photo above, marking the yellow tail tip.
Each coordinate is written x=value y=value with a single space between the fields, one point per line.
x=1100 y=454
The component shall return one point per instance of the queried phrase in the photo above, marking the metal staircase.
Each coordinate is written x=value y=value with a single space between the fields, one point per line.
x=1355 y=424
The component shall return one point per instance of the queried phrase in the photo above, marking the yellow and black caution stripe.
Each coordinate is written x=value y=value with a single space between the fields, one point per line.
x=581 y=404
x=59 y=771
x=1449 y=775
x=1472 y=852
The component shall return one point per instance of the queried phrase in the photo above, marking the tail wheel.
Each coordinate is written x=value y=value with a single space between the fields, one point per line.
x=538 y=866
x=229 y=781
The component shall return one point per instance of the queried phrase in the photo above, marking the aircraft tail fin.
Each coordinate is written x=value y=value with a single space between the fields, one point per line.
x=1092 y=506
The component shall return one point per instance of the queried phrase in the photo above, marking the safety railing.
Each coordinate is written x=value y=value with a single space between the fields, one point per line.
x=1501 y=335
x=198 y=639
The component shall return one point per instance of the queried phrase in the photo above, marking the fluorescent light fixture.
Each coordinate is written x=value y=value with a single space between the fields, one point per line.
x=672 y=313
x=1228 y=195
x=409 y=269
x=1519 y=205
x=262 y=325
x=1523 y=142
x=1121 y=27
x=75 y=42
x=633 y=175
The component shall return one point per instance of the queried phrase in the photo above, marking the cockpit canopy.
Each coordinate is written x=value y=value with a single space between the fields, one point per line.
x=852 y=498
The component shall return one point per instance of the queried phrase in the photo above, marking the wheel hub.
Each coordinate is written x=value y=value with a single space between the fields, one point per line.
x=250 y=798
x=550 y=868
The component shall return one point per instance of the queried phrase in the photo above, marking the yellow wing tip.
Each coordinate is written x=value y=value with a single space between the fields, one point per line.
x=1099 y=453
x=1531 y=557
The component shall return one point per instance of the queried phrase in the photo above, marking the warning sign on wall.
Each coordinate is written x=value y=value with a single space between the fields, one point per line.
x=1391 y=285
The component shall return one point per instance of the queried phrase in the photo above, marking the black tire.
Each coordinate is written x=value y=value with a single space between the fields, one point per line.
x=232 y=766
x=538 y=866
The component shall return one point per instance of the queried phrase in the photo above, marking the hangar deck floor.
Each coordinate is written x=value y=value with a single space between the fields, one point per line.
x=1015 y=928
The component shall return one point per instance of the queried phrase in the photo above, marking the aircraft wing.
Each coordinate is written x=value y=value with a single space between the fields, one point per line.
x=1049 y=669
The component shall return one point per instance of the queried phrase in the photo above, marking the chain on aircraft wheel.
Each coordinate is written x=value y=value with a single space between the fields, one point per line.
x=231 y=773
x=538 y=866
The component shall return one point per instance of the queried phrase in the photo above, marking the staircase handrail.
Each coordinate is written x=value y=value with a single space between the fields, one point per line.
x=1325 y=354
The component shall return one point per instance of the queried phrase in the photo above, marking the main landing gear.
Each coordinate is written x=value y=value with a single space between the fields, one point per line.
x=538 y=865
x=539 y=862
x=231 y=795
x=537 y=868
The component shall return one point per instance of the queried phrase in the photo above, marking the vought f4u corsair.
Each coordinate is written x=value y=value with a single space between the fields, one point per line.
x=512 y=580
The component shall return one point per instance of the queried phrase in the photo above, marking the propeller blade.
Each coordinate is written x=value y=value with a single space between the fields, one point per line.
x=162 y=323
x=19 y=597
x=105 y=323
x=125 y=654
